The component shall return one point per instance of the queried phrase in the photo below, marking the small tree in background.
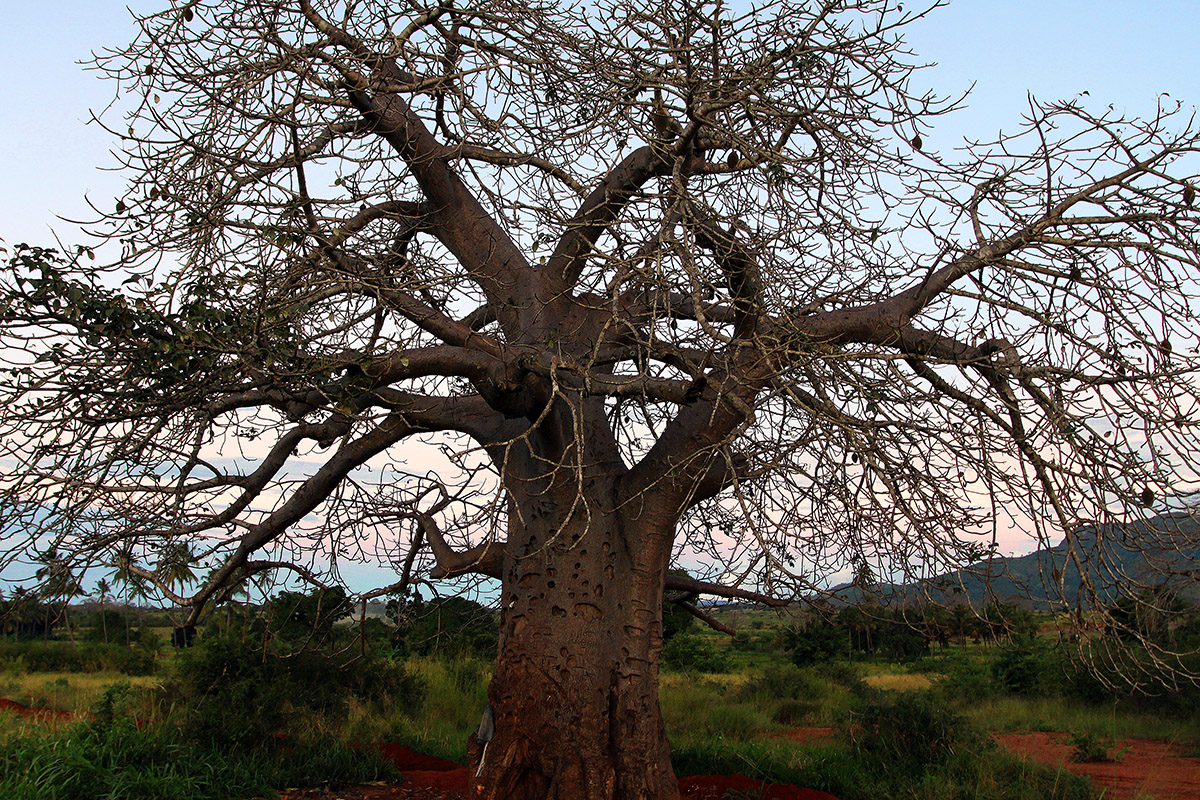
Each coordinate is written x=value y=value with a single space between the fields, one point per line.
x=103 y=590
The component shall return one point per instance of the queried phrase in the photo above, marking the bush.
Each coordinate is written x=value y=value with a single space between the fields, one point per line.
x=1088 y=748
x=448 y=626
x=687 y=652
x=795 y=712
x=130 y=662
x=968 y=680
x=908 y=735
x=380 y=679
x=814 y=643
x=1023 y=670
x=902 y=643
x=111 y=622
x=235 y=692
x=65 y=657
x=786 y=682
x=847 y=676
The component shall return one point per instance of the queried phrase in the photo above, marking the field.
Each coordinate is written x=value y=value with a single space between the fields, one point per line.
x=227 y=717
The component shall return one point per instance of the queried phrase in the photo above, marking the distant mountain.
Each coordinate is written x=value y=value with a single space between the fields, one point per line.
x=1112 y=557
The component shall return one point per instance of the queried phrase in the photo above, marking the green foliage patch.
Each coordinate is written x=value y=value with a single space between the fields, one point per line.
x=236 y=691
x=119 y=760
x=688 y=652
x=67 y=657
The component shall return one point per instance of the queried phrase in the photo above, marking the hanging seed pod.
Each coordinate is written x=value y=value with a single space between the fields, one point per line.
x=1189 y=194
x=1164 y=347
x=121 y=207
x=188 y=15
x=917 y=142
x=1147 y=497
x=733 y=159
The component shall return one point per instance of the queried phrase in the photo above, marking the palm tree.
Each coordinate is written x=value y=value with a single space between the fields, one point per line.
x=176 y=565
x=102 y=591
x=58 y=583
x=135 y=585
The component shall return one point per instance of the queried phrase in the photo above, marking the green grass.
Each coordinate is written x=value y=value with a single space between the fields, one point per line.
x=719 y=723
x=1063 y=714
x=121 y=761
x=75 y=692
x=837 y=769
x=455 y=695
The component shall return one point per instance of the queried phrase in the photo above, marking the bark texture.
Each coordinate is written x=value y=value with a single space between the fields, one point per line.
x=575 y=691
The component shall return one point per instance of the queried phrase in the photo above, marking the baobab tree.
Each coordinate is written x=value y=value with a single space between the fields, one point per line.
x=559 y=295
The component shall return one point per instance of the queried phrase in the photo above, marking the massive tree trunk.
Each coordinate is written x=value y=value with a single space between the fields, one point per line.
x=575 y=691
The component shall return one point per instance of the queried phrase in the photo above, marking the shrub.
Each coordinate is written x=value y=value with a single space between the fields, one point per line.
x=908 y=735
x=450 y=626
x=813 y=643
x=1088 y=748
x=969 y=681
x=128 y=661
x=65 y=657
x=1022 y=670
x=848 y=677
x=795 y=712
x=380 y=679
x=786 y=682
x=236 y=692
x=902 y=643
x=692 y=653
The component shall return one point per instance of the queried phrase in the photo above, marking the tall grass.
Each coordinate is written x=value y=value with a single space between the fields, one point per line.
x=722 y=724
x=65 y=657
x=1064 y=714
x=122 y=760
x=455 y=695
x=73 y=692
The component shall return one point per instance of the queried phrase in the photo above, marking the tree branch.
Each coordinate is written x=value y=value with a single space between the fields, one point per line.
x=482 y=559
x=706 y=618
x=684 y=583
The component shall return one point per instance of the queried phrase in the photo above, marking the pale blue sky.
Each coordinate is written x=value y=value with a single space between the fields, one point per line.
x=1120 y=52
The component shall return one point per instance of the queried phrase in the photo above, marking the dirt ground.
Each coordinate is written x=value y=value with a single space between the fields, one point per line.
x=428 y=778
x=1142 y=766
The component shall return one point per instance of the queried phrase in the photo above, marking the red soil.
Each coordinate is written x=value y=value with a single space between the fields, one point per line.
x=407 y=759
x=438 y=774
x=35 y=713
x=812 y=735
x=1143 y=766
x=718 y=787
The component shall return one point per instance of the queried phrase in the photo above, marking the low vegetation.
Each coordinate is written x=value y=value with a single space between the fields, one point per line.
x=273 y=696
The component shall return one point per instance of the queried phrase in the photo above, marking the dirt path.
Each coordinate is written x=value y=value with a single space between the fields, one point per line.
x=1144 y=767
